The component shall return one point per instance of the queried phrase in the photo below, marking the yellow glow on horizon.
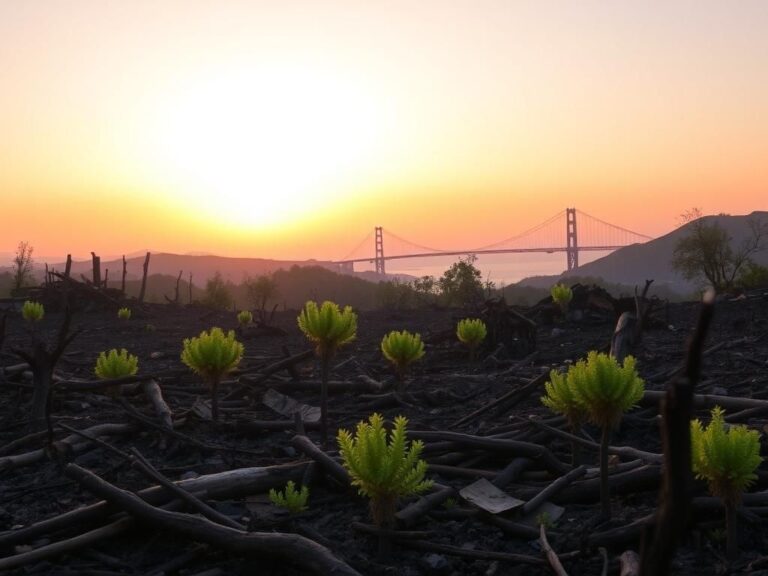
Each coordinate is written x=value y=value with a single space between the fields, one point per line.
x=266 y=146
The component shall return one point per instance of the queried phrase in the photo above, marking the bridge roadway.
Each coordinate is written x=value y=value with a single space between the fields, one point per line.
x=494 y=251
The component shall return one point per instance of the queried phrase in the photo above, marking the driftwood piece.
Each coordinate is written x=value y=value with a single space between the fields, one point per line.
x=78 y=542
x=143 y=289
x=626 y=451
x=653 y=397
x=470 y=553
x=549 y=553
x=291 y=548
x=122 y=279
x=506 y=400
x=553 y=489
x=96 y=264
x=588 y=490
x=677 y=485
x=336 y=470
x=230 y=484
x=411 y=513
x=630 y=563
x=624 y=336
x=3 y=318
x=155 y=396
x=69 y=444
x=533 y=451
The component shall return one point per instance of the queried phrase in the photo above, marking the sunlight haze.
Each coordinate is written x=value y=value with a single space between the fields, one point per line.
x=289 y=130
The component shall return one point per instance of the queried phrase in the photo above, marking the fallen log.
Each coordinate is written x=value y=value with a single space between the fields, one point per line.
x=230 y=484
x=333 y=468
x=506 y=400
x=291 y=548
x=588 y=491
x=552 y=490
x=533 y=451
x=653 y=397
x=71 y=444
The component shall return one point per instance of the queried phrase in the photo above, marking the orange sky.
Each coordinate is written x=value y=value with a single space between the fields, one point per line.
x=289 y=130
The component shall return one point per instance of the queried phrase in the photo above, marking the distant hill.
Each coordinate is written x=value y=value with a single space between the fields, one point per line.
x=652 y=260
x=202 y=267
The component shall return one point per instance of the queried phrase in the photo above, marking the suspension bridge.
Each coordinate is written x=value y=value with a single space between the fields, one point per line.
x=570 y=231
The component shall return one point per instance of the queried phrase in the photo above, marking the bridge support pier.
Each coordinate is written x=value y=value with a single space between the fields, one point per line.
x=379 y=260
x=572 y=240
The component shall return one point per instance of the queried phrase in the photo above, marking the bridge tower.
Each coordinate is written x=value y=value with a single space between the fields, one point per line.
x=379 y=259
x=572 y=239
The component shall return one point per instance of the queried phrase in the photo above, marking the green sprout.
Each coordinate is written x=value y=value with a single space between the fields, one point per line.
x=402 y=348
x=149 y=328
x=124 y=314
x=562 y=296
x=471 y=332
x=244 y=318
x=212 y=355
x=450 y=503
x=561 y=399
x=726 y=457
x=604 y=390
x=383 y=471
x=545 y=519
x=329 y=328
x=114 y=364
x=32 y=311
x=291 y=499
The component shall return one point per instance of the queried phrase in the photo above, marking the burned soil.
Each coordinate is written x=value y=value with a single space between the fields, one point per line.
x=452 y=404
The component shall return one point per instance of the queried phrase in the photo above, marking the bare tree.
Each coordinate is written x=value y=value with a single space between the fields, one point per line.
x=22 y=265
x=707 y=252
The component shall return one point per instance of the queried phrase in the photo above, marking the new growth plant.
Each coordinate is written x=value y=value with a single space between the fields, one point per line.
x=329 y=328
x=383 y=470
x=471 y=332
x=603 y=389
x=562 y=296
x=561 y=399
x=114 y=364
x=124 y=314
x=726 y=457
x=244 y=318
x=291 y=499
x=32 y=311
x=212 y=355
x=402 y=348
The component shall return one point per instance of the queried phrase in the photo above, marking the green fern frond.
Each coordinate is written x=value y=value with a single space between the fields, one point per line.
x=114 y=364
x=291 y=499
x=383 y=467
x=327 y=326
x=725 y=457
x=471 y=332
x=212 y=354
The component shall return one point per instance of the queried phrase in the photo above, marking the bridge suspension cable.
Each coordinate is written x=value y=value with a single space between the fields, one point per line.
x=419 y=246
x=604 y=223
x=352 y=252
x=521 y=234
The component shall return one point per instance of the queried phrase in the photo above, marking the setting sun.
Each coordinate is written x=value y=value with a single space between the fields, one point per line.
x=265 y=145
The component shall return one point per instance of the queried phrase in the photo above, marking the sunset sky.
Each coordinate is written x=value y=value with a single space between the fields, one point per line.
x=291 y=129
